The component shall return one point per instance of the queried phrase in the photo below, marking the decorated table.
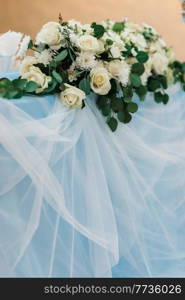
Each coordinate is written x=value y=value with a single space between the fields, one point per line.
x=92 y=154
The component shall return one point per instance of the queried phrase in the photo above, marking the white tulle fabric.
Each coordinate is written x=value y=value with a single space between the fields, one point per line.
x=77 y=200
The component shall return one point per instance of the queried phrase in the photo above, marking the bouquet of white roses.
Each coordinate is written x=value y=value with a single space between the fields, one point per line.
x=114 y=60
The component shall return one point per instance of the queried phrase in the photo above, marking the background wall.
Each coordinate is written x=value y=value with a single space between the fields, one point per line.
x=29 y=15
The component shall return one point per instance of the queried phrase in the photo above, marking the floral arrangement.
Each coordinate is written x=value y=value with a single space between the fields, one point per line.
x=114 y=60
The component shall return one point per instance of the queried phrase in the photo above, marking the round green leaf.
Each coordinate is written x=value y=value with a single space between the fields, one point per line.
x=135 y=80
x=153 y=84
x=128 y=118
x=106 y=110
x=165 y=98
x=158 y=97
x=142 y=57
x=113 y=123
x=121 y=116
x=138 y=68
x=132 y=107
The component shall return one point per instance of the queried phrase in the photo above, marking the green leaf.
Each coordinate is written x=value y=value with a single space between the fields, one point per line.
x=127 y=100
x=165 y=98
x=99 y=30
x=113 y=90
x=118 y=27
x=138 y=68
x=117 y=104
x=128 y=92
x=158 y=97
x=30 y=44
x=135 y=80
x=142 y=57
x=84 y=85
x=57 y=76
x=121 y=116
x=132 y=107
x=106 y=110
x=141 y=92
x=163 y=81
x=31 y=87
x=113 y=123
x=61 y=56
x=153 y=84
x=128 y=118
x=109 y=42
x=20 y=83
x=183 y=67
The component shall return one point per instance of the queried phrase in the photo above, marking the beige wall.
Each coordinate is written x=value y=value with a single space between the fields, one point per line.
x=28 y=15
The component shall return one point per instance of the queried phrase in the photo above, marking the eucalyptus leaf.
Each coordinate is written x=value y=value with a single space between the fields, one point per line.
x=165 y=98
x=142 y=57
x=135 y=80
x=118 y=27
x=138 y=68
x=31 y=87
x=99 y=30
x=20 y=83
x=61 y=56
x=113 y=123
x=57 y=76
x=84 y=85
x=121 y=116
x=132 y=107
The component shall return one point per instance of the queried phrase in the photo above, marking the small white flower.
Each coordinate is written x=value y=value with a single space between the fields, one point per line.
x=37 y=76
x=86 y=60
x=115 y=52
x=88 y=29
x=100 y=81
x=51 y=35
x=72 y=73
x=72 y=96
x=45 y=57
x=88 y=43
x=119 y=70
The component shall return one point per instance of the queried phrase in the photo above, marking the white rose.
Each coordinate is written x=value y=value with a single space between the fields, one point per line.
x=27 y=63
x=88 y=43
x=100 y=82
x=37 y=76
x=159 y=63
x=72 y=96
x=119 y=70
x=51 y=35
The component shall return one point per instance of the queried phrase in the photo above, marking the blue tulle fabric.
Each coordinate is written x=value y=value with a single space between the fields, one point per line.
x=77 y=200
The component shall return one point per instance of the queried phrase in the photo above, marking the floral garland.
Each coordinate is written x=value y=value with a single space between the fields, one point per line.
x=114 y=60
